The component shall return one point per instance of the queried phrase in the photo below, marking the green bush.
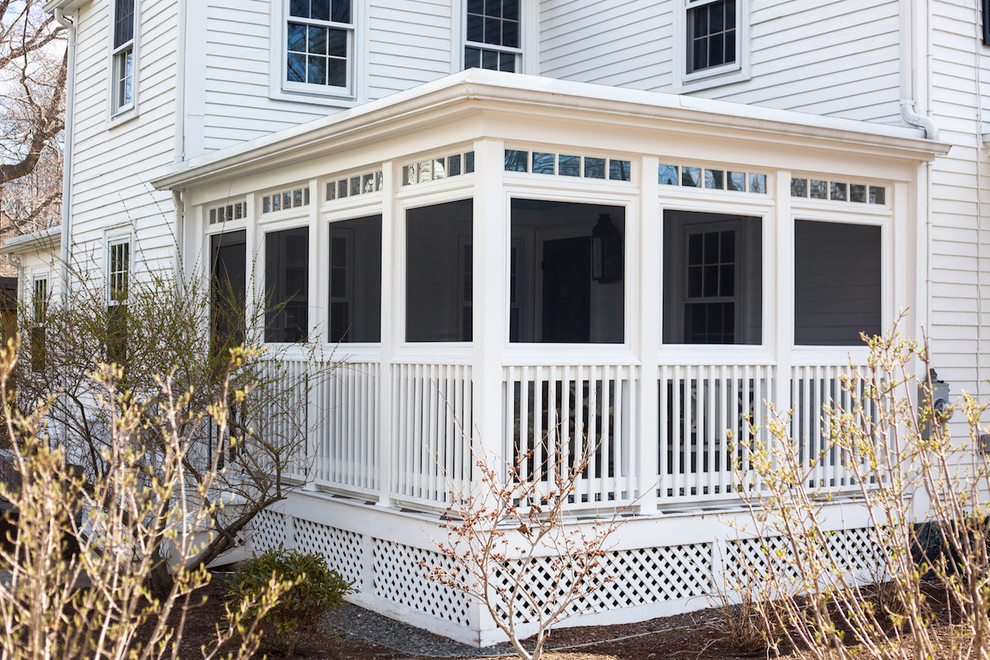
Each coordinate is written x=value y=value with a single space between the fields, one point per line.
x=316 y=590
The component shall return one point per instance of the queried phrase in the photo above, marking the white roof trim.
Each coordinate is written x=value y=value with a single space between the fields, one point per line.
x=43 y=239
x=513 y=90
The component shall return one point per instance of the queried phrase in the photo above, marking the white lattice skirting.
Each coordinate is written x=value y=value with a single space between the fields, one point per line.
x=638 y=583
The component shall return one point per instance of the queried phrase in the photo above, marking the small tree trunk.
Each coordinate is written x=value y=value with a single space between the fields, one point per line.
x=160 y=580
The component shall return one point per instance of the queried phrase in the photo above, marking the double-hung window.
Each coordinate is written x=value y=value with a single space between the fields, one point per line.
x=712 y=36
x=319 y=46
x=492 y=35
x=118 y=283
x=123 y=58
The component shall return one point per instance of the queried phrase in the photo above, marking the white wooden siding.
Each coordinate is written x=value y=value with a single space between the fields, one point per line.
x=402 y=44
x=959 y=251
x=112 y=164
x=834 y=58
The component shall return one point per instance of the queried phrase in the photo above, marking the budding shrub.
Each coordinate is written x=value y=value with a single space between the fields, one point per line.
x=317 y=590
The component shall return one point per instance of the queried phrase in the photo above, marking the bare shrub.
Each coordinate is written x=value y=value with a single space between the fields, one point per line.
x=78 y=566
x=896 y=447
x=516 y=548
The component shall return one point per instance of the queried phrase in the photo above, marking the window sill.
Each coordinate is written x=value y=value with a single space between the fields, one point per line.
x=716 y=77
x=315 y=97
x=123 y=116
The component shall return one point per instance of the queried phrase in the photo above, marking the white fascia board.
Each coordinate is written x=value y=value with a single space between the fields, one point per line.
x=64 y=5
x=523 y=93
x=43 y=239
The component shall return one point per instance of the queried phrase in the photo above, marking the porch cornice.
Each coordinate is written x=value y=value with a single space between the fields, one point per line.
x=478 y=90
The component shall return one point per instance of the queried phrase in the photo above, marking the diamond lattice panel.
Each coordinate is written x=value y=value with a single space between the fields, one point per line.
x=851 y=549
x=400 y=576
x=269 y=530
x=340 y=548
x=630 y=578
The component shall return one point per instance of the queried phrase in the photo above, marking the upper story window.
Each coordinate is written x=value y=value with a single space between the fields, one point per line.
x=711 y=34
x=319 y=45
x=492 y=35
x=123 y=59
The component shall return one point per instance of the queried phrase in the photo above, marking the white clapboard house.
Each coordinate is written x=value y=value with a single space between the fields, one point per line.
x=640 y=218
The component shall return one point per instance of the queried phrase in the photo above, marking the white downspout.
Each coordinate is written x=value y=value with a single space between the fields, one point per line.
x=911 y=69
x=180 y=133
x=69 y=134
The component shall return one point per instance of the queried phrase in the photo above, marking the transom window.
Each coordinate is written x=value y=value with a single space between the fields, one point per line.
x=319 y=44
x=122 y=68
x=492 y=35
x=711 y=34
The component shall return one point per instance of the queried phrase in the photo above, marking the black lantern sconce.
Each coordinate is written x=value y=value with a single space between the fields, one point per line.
x=606 y=251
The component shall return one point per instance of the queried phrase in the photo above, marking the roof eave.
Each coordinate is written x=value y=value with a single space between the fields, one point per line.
x=43 y=239
x=487 y=89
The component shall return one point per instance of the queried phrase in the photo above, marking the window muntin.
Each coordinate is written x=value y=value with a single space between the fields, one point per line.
x=837 y=282
x=287 y=285
x=562 y=289
x=439 y=272
x=38 y=333
x=711 y=34
x=492 y=35
x=123 y=65
x=118 y=283
x=712 y=278
x=356 y=280
x=319 y=45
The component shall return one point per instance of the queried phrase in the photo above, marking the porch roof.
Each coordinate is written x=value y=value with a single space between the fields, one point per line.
x=36 y=241
x=430 y=104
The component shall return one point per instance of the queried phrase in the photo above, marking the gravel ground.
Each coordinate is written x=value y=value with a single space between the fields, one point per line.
x=353 y=621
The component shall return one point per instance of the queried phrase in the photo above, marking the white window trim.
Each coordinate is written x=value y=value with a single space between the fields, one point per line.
x=527 y=60
x=281 y=89
x=112 y=242
x=121 y=113
x=725 y=74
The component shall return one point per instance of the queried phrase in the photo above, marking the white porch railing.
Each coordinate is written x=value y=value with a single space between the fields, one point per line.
x=431 y=424
x=572 y=408
x=347 y=429
x=579 y=410
x=698 y=405
x=812 y=388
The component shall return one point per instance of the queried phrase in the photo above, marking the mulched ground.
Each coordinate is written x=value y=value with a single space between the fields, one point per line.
x=363 y=635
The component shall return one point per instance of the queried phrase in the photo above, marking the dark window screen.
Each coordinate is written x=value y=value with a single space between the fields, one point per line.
x=228 y=287
x=356 y=280
x=286 y=285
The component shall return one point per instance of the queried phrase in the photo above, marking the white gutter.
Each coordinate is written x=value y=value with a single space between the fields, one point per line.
x=43 y=239
x=69 y=138
x=540 y=95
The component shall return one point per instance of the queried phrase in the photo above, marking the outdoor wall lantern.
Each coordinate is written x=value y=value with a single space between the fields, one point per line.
x=606 y=251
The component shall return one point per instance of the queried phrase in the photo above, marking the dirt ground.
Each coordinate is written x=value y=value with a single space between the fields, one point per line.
x=689 y=636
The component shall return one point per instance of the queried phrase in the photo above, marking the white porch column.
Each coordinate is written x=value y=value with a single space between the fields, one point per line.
x=779 y=268
x=489 y=295
x=650 y=266
x=319 y=266
x=489 y=303
x=390 y=334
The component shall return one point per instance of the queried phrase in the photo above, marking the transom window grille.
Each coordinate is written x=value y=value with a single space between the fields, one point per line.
x=228 y=213
x=118 y=269
x=319 y=43
x=360 y=184
x=838 y=191
x=492 y=35
x=711 y=34
x=588 y=167
x=712 y=179
x=284 y=200
x=440 y=167
x=122 y=69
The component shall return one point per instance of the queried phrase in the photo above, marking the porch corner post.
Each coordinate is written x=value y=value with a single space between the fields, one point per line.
x=489 y=295
x=390 y=336
x=781 y=321
x=318 y=315
x=490 y=246
x=650 y=253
